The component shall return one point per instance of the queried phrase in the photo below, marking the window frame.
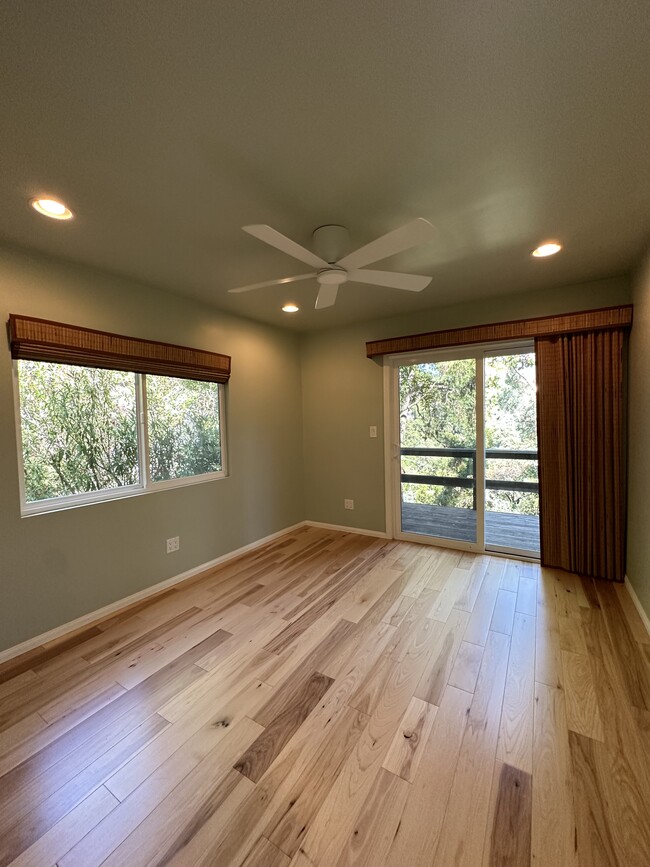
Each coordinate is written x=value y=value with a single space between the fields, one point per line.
x=145 y=486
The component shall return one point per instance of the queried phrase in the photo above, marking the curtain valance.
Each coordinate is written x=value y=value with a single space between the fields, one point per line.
x=42 y=340
x=543 y=326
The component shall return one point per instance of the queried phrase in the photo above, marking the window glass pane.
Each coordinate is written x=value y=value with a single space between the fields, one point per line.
x=184 y=427
x=438 y=448
x=511 y=496
x=78 y=428
x=511 y=432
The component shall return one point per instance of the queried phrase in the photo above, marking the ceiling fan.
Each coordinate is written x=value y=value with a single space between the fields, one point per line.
x=333 y=269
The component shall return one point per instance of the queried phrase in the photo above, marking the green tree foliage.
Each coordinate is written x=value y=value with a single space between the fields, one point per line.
x=511 y=423
x=78 y=428
x=438 y=410
x=184 y=437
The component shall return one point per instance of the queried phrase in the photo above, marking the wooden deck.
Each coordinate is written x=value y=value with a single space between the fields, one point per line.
x=502 y=529
x=330 y=700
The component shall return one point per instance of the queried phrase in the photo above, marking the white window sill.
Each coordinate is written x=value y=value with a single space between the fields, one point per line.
x=64 y=504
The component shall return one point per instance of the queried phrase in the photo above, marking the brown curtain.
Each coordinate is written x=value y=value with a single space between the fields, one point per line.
x=42 y=340
x=580 y=412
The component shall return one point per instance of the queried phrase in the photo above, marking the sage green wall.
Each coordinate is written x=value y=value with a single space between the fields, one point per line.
x=58 y=566
x=343 y=394
x=638 y=522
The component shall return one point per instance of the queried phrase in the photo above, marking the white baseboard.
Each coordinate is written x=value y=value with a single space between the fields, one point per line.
x=376 y=533
x=114 y=607
x=637 y=604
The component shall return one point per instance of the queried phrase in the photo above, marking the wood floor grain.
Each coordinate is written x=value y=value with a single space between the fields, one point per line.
x=331 y=700
x=508 y=841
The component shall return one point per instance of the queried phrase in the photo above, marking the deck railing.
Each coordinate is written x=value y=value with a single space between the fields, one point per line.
x=470 y=481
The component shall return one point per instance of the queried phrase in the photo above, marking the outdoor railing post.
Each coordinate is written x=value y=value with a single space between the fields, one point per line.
x=474 y=477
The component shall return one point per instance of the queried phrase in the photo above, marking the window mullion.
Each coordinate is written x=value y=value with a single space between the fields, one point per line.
x=143 y=429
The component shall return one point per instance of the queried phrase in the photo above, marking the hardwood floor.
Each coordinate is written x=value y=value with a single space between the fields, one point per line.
x=333 y=700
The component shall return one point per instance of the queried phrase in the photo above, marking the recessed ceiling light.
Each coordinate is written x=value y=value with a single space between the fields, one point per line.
x=291 y=308
x=548 y=249
x=51 y=208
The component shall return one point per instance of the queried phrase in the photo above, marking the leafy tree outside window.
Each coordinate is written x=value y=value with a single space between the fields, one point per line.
x=184 y=438
x=79 y=430
x=438 y=410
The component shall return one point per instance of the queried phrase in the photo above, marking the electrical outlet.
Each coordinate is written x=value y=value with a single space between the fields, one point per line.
x=373 y=431
x=173 y=544
x=349 y=504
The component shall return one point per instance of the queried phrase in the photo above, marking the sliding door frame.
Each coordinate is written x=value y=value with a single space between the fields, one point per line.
x=392 y=463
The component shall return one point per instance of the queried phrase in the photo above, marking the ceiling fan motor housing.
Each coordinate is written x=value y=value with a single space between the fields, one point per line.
x=332 y=276
x=331 y=243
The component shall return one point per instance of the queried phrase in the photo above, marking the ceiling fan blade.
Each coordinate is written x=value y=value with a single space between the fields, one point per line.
x=286 y=245
x=410 y=282
x=326 y=295
x=271 y=283
x=416 y=232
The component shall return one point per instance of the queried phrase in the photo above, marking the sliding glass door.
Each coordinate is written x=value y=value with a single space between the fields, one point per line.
x=464 y=449
x=437 y=413
x=511 y=481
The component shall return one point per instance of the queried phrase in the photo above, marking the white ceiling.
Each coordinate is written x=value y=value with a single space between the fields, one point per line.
x=166 y=126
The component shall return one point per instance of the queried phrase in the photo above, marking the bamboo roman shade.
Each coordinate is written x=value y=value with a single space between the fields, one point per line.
x=543 y=326
x=41 y=340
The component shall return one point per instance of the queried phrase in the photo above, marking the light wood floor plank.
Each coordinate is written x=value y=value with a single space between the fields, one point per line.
x=553 y=823
x=296 y=810
x=632 y=616
x=510 y=578
x=195 y=734
x=375 y=825
x=464 y=674
x=419 y=831
x=516 y=731
x=583 y=714
x=201 y=794
x=445 y=646
x=633 y=665
x=37 y=807
x=508 y=836
x=548 y=652
x=504 y=612
x=49 y=848
x=527 y=596
x=405 y=752
x=470 y=587
x=129 y=815
x=479 y=623
x=463 y=831
x=265 y=854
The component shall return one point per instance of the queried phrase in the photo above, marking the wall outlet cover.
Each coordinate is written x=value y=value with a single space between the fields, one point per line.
x=349 y=504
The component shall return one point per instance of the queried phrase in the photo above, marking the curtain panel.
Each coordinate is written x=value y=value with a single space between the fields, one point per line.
x=581 y=413
x=41 y=340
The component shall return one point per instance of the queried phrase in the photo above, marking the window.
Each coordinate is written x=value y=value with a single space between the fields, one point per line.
x=184 y=436
x=89 y=434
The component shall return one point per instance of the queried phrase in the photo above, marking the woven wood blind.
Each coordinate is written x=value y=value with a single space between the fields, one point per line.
x=544 y=326
x=41 y=340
